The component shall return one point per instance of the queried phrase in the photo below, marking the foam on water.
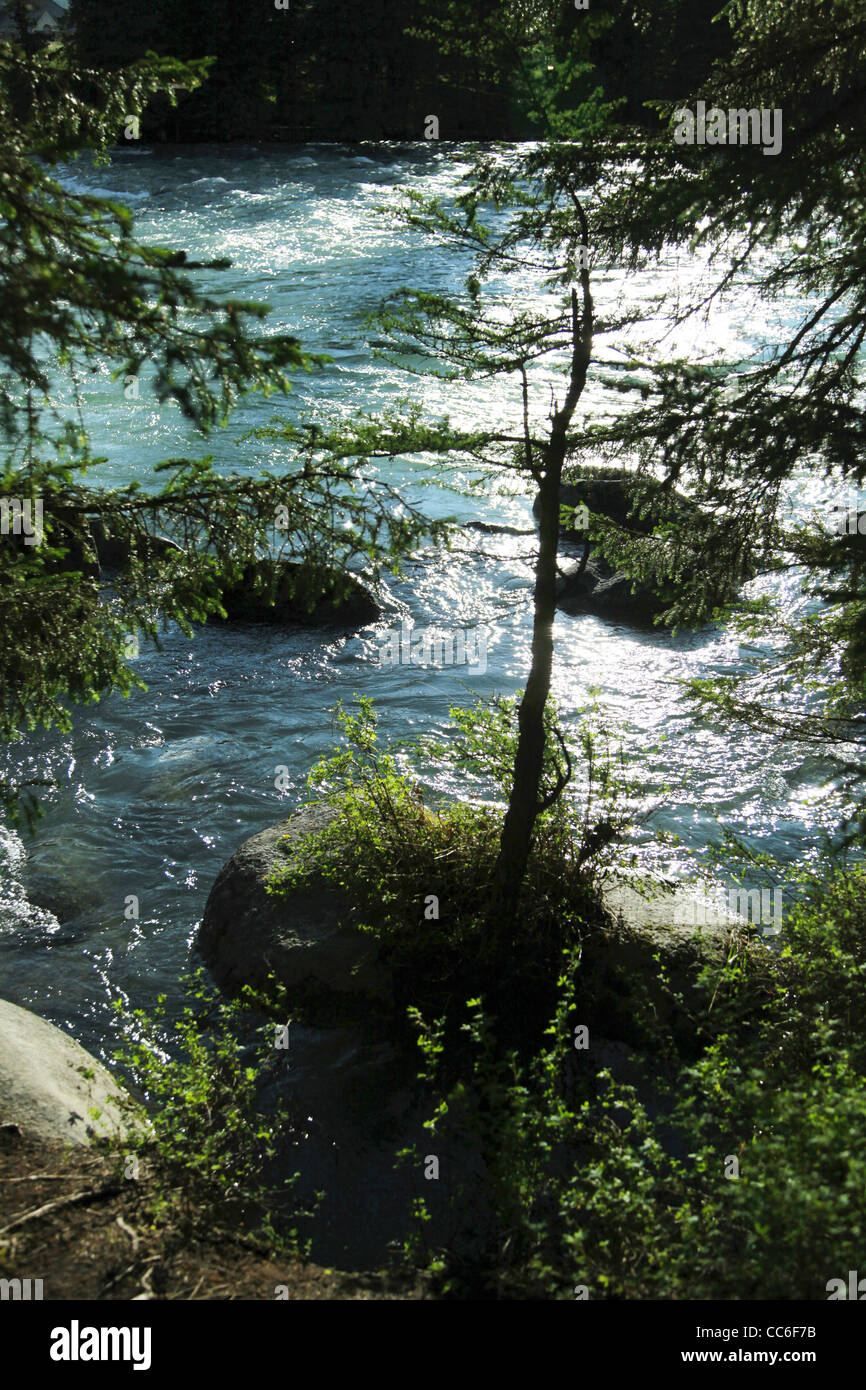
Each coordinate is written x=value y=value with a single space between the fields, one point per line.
x=19 y=918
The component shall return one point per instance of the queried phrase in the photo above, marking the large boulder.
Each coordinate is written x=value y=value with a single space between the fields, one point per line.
x=615 y=493
x=306 y=938
x=335 y=973
x=50 y=1086
x=115 y=551
x=92 y=548
x=591 y=584
x=293 y=593
x=267 y=592
x=658 y=960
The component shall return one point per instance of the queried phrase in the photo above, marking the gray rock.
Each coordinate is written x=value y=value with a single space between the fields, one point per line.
x=307 y=939
x=50 y=1085
x=597 y=588
x=292 y=593
x=637 y=506
x=645 y=969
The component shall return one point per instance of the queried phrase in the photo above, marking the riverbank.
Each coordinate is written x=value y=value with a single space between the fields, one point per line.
x=66 y=1221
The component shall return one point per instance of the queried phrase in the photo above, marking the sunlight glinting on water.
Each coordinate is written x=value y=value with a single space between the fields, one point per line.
x=154 y=793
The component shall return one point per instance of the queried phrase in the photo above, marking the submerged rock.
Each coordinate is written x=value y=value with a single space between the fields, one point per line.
x=65 y=895
x=50 y=1086
x=293 y=593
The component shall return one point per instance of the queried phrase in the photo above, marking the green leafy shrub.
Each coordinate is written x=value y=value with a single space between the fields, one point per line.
x=210 y=1145
x=420 y=876
x=738 y=1176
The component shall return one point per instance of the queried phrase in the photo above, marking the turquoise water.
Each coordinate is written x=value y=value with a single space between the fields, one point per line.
x=154 y=793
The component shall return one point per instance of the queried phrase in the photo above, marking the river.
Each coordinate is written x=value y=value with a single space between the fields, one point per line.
x=155 y=792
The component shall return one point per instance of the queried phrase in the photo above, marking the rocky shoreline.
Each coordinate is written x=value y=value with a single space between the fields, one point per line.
x=356 y=1078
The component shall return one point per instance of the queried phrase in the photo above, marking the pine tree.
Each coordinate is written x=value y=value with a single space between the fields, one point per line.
x=78 y=292
x=729 y=435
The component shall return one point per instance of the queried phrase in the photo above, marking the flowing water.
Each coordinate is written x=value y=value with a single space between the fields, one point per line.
x=155 y=792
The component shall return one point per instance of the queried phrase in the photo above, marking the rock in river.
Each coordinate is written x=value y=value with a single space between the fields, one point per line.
x=306 y=938
x=295 y=594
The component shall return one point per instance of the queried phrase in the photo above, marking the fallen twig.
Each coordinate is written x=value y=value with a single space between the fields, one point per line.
x=115 y=1279
x=42 y=1177
x=90 y=1194
x=127 y=1230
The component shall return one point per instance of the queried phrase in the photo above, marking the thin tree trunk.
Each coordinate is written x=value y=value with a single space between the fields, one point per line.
x=528 y=764
x=525 y=800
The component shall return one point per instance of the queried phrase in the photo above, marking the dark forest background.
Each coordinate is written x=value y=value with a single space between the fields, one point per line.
x=354 y=70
